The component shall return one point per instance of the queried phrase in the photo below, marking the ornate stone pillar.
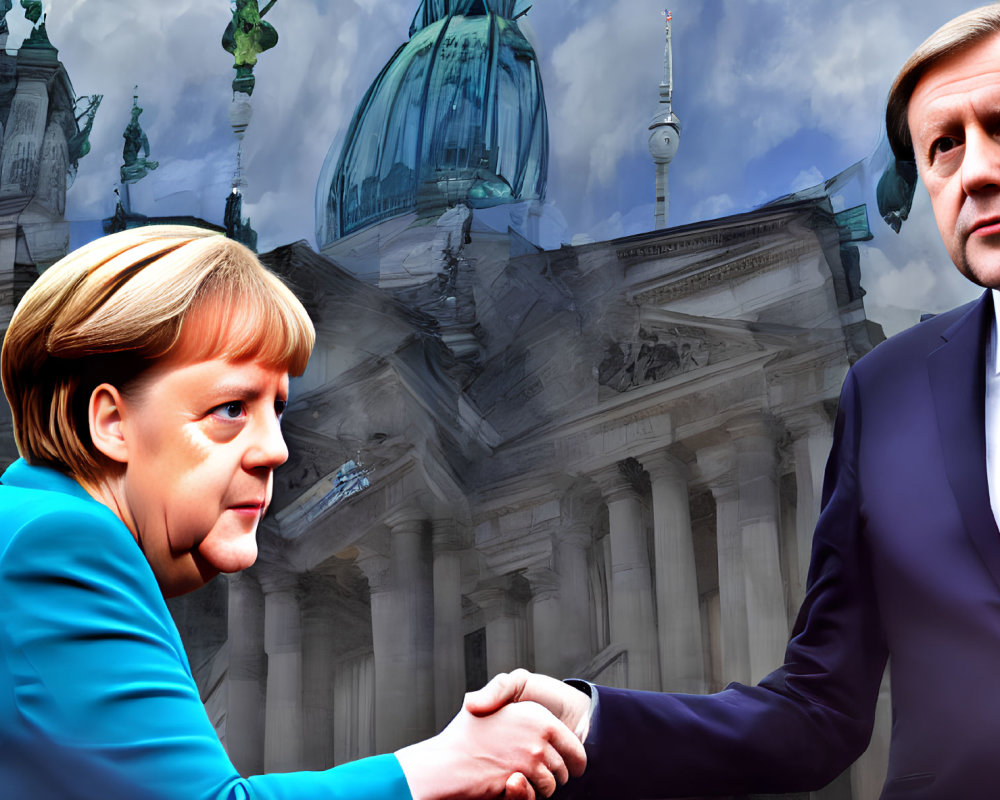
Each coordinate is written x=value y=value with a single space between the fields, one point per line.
x=733 y=633
x=503 y=607
x=403 y=634
x=319 y=653
x=574 y=598
x=813 y=437
x=767 y=620
x=283 y=746
x=247 y=675
x=633 y=621
x=449 y=652
x=681 y=656
x=22 y=141
x=547 y=621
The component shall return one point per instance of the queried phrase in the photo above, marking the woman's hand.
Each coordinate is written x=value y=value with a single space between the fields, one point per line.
x=569 y=705
x=484 y=757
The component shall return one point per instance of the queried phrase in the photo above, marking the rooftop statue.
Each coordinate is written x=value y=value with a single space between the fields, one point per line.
x=32 y=10
x=5 y=7
x=895 y=191
x=79 y=143
x=246 y=37
x=135 y=168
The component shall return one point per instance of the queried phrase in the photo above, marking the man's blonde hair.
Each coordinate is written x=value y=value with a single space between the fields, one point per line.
x=952 y=37
x=108 y=311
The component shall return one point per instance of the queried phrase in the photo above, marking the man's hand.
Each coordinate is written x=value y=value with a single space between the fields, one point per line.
x=488 y=756
x=569 y=705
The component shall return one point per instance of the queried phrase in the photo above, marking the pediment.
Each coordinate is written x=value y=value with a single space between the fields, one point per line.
x=664 y=345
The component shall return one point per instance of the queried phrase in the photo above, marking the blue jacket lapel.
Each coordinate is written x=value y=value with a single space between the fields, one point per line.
x=957 y=372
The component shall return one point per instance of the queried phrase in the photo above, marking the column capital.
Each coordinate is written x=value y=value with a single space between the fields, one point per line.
x=408 y=519
x=618 y=481
x=500 y=597
x=576 y=534
x=376 y=568
x=544 y=583
x=805 y=421
x=663 y=465
x=447 y=535
x=275 y=580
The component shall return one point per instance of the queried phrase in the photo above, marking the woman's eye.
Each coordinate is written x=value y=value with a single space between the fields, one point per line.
x=232 y=410
x=279 y=407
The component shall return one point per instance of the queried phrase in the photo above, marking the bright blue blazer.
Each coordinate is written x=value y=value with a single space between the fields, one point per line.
x=905 y=565
x=96 y=695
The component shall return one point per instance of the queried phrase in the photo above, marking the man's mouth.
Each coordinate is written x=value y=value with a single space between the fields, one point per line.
x=986 y=227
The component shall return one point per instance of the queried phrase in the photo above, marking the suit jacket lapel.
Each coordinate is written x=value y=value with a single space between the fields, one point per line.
x=958 y=383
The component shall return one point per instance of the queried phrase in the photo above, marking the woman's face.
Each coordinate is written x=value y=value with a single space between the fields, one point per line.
x=203 y=439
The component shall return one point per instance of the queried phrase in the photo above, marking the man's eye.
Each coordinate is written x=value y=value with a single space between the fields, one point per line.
x=943 y=145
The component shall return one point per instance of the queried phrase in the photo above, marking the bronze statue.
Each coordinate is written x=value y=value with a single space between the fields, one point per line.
x=135 y=168
x=246 y=37
x=32 y=10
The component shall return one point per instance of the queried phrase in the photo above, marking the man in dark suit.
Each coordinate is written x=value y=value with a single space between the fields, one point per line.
x=906 y=554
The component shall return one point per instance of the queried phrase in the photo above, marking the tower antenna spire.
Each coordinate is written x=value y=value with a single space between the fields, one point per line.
x=664 y=131
x=667 y=86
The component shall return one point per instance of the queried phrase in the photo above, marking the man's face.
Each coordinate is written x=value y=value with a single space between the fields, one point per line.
x=954 y=121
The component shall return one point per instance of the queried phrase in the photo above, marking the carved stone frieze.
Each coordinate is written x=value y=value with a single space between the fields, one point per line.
x=653 y=357
x=724 y=272
x=703 y=241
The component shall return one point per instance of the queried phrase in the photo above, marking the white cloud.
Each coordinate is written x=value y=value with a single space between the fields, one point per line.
x=718 y=205
x=806 y=179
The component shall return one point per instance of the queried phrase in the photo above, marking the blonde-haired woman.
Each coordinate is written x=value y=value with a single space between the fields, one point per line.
x=147 y=373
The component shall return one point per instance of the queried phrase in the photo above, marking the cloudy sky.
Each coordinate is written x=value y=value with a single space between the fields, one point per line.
x=773 y=95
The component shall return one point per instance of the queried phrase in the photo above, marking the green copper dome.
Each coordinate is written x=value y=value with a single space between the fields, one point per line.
x=456 y=116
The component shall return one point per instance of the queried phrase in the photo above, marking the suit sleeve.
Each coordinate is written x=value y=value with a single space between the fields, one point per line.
x=804 y=723
x=101 y=700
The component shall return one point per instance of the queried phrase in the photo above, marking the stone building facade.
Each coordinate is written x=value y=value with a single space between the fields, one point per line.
x=41 y=141
x=602 y=461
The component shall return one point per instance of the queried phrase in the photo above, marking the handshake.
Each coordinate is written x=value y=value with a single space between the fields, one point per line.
x=518 y=738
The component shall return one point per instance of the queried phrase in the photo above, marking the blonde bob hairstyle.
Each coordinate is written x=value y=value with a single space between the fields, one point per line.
x=953 y=37
x=109 y=311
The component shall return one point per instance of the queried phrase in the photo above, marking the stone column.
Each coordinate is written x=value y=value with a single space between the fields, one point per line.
x=681 y=657
x=247 y=675
x=813 y=437
x=574 y=598
x=633 y=621
x=22 y=141
x=283 y=746
x=449 y=652
x=547 y=622
x=403 y=634
x=767 y=620
x=733 y=633
x=319 y=653
x=503 y=609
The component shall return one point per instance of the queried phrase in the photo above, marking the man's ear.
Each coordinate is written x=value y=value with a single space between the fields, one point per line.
x=105 y=417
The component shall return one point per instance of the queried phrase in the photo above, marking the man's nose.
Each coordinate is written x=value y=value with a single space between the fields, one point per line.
x=981 y=161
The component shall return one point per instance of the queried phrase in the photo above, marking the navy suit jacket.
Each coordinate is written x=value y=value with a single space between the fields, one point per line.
x=905 y=565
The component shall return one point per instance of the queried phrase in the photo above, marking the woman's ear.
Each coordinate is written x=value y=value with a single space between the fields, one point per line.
x=105 y=417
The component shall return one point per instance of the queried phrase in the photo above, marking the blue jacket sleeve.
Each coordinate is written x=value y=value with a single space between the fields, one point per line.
x=804 y=723
x=99 y=701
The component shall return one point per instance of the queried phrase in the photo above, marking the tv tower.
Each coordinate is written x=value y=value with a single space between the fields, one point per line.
x=664 y=132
